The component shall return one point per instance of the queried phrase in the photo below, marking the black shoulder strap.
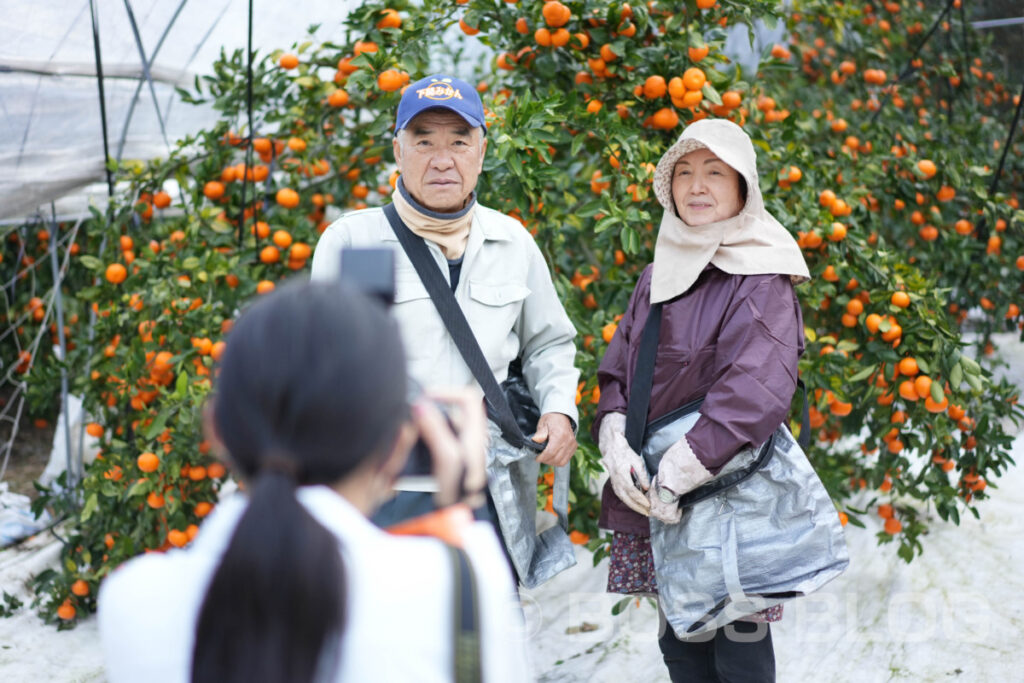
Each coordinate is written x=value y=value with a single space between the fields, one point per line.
x=454 y=320
x=465 y=620
x=805 y=419
x=643 y=380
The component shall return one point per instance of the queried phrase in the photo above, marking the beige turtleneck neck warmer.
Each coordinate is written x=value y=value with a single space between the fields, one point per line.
x=450 y=231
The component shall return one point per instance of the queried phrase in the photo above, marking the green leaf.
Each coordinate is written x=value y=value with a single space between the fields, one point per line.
x=710 y=93
x=181 y=386
x=863 y=374
x=577 y=142
x=91 y=504
x=605 y=223
x=621 y=605
x=906 y=552
x=975 y=382
x=157 y=425
x=971 y=366
x=956 y=377
x=90 y=262
x=138 y=488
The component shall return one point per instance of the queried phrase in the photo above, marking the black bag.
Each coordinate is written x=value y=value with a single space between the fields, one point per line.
x=520 y=401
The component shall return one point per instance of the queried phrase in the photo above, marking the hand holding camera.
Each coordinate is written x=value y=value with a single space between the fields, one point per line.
x=453 y=425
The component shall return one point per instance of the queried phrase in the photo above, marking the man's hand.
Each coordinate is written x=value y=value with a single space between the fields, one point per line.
x=556 y=429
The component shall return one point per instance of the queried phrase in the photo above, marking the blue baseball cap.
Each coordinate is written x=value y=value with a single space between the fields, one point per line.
x=441 y=92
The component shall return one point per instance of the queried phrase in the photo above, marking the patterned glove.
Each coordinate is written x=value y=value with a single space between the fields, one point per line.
x=679 y=472
x=622 y=462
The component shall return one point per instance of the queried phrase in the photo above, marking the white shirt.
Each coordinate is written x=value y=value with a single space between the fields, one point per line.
x=399 y=602
x=504 y=290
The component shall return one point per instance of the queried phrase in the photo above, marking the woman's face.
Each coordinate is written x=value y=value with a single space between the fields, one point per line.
x=705 y=189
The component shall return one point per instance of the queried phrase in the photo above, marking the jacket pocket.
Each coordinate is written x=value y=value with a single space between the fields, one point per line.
x=496 y=295
x=492 y=312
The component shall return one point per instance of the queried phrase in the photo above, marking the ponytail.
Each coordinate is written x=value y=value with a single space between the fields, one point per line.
x=276 y=604
x=311 y=387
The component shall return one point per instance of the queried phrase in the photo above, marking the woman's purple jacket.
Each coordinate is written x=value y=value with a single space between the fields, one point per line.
x=734 y=339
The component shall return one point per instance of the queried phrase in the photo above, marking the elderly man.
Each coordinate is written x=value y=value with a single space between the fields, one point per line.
x=497 y=274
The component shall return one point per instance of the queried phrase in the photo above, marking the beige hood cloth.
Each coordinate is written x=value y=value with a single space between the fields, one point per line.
x=450 y=231
x=751 y=243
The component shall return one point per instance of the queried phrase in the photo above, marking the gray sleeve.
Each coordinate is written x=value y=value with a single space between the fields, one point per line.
x=327 y=255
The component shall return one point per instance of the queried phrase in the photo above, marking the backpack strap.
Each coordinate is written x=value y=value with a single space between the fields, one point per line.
x=465 y=620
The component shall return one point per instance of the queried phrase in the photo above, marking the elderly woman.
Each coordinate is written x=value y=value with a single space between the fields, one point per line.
x=731 y=332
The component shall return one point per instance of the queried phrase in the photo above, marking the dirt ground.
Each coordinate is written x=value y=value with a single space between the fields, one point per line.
x=28 y=455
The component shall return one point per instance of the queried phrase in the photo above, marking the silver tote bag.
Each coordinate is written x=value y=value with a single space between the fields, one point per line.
x=770 y=535
x=512 y=479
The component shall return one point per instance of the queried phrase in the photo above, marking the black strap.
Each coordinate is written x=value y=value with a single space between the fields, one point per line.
x=465 y=620
x=454 y=320
x=643 y=380
x=805 y=419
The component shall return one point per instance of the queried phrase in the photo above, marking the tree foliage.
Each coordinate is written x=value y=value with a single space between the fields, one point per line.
x=843 y=115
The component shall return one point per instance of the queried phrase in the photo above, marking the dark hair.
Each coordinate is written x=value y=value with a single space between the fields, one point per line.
x=311 y=386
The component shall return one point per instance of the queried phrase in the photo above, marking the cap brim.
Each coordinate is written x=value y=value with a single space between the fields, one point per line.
x=465 y=117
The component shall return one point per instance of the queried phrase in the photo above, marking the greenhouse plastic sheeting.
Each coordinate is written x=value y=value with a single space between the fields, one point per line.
x=51 y=137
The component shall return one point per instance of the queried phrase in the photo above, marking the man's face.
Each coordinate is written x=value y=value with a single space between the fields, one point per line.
x=440 y=157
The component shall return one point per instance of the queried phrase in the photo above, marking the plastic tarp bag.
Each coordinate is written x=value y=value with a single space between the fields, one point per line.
x=512 y=480
x=16 y=518
x=772 y=537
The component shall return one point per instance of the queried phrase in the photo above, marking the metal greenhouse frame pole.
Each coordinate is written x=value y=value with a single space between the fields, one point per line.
x=74 y=472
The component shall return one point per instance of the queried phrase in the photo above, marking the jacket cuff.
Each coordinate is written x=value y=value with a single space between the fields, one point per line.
x=680 y=471
x=555 y=401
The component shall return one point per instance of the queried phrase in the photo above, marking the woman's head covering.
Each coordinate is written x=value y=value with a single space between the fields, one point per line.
x=751 y=243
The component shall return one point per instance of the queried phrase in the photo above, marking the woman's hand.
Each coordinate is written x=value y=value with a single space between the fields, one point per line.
x=458 y=452
x=664 y=504
x=626 y=470
x=680 y=471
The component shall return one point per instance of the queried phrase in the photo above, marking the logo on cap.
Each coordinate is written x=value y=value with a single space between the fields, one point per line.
x=439 y=91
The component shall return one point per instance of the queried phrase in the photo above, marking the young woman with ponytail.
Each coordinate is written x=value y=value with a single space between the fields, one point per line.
x=289 y=581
